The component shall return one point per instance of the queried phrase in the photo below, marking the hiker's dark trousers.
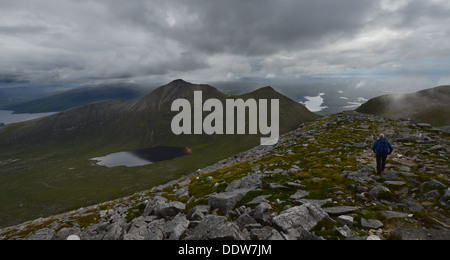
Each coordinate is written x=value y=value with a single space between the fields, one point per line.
x=381 y=163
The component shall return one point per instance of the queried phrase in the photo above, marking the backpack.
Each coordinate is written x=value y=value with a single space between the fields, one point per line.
x=382 y=147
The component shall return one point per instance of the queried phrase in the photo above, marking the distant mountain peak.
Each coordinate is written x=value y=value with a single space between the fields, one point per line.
x=179 y=81
x=179 y=88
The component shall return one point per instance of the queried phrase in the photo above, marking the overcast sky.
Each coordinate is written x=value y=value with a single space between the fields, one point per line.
x=87 y=41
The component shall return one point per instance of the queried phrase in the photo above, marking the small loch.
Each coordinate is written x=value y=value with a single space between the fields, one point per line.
x=142 y=157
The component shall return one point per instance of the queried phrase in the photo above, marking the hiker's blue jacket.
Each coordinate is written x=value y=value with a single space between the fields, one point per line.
x=377 y=147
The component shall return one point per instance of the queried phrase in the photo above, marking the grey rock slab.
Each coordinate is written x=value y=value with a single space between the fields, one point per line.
x=198 y=212
x=250 y=182
x=433 y=195
x=261 y=213
x=274 y=186
x=245 y=220
x=226 y=201
x=319 y=203
x=298 y=234
x=164 y=209
x=214 y=227
x=371 y=223
x=261 y=233
x=346 y=220
x=295 y=185
x=275 y=235
x=361 y=175
x=176 y=227
x=394 y=183
x=360 y=145
x=305 y=216
x=345 y=231
x=137 y=230
x=259 y=199
x=340 y=210
x=414 y=206
x=434 y=184
x=394 y=214
x=446 y=194
x=115 y=232
x=43 y=234
x=299 y=194
x=379 y=191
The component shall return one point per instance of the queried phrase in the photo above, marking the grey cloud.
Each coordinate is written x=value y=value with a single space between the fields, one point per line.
x=414 y=13
x=63 y=41
x=22 y=29
x=11 y=79
x=264 y=27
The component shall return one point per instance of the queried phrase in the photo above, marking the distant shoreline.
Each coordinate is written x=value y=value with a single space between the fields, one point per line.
x=10 y=117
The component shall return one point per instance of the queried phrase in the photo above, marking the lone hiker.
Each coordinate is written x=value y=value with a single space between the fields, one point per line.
x=382 y=148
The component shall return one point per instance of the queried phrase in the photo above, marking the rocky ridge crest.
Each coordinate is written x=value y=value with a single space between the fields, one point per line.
x=318 y=182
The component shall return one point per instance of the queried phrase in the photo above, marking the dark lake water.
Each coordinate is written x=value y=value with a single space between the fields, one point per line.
x=142 y=157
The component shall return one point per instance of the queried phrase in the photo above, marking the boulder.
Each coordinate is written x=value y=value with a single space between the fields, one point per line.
x=261 y=213
x=244 y=220
x=305 y=216
x=156 y=230
x=298 y=195
x=434 y=184
x=226 y=201
x=394 y=183
x=167 y=209
x=379 y=192
x=298 y=234
x=259 y=199
x=413 y=206
x=274 y=186
x=346 y=220
x=432 y=195
x=261 y=233
x=446 y=195
x=175 y=228
x=371 y=223
x=250 y=182
x=344 y=231
x=340 y=210
x=43 y=234
x=198 y=212
x=137 y=230
x=114 y=232
x=361 y=175
x=214 y=227
x=95 y=231
x=394 y=214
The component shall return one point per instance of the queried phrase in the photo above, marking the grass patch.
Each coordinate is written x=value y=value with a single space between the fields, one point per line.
x=135 y=212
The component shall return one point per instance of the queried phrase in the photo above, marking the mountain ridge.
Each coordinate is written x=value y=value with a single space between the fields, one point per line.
x=79 y=97
x=309 y=186
x=139 y=117
x=47 y=167
x=166 y=94
x=429 y=106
